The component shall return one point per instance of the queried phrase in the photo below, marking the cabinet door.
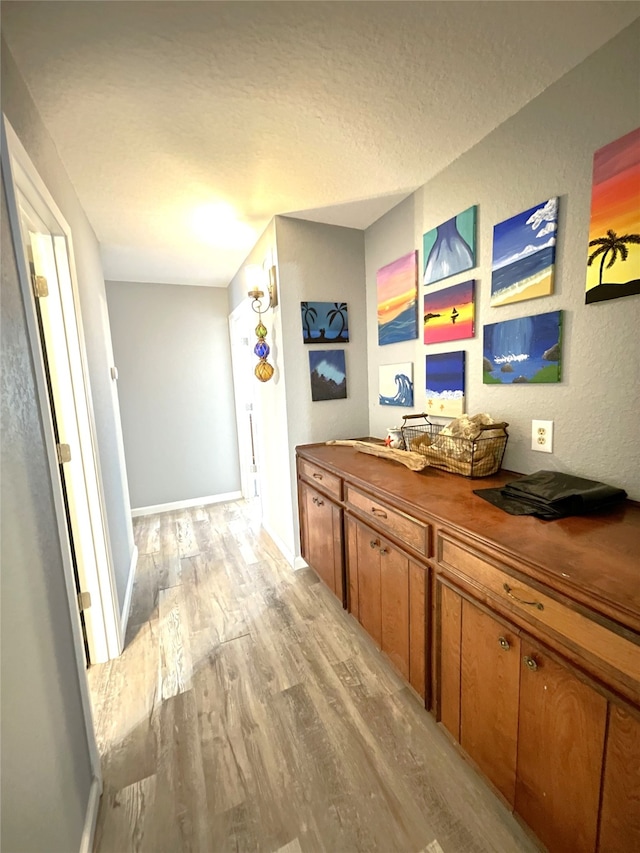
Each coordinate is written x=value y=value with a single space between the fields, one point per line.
x=323 y=524
x=418 y=628
x=394 y=606
x=560 y=753
x=620 y=818
x=369 y=593
x=449 y=646
x=490 y=675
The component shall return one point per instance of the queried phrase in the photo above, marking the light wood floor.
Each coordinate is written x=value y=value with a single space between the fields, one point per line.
x=250 y=713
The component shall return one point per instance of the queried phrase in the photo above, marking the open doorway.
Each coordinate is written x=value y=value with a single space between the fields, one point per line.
x=42 y=241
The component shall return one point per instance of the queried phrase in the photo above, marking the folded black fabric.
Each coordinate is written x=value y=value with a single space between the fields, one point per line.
x=552 y=494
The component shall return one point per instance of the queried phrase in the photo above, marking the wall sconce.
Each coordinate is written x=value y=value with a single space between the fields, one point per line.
x=263 y=370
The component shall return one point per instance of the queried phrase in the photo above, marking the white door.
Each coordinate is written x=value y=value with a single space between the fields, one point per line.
x=241 y=324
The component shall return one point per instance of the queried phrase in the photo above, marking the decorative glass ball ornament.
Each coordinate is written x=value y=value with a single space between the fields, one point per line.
x=261 y=349
x=261 y=330
x=263 y=371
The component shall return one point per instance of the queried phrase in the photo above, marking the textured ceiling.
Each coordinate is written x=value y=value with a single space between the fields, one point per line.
x=331 y=111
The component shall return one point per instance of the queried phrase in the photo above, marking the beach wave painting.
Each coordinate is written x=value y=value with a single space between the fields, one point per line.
x=613 y=264
x=445 y=377
x=524 y=251
x=398 y=300
x=449 y=313
x=396 y=384
x=523 y=351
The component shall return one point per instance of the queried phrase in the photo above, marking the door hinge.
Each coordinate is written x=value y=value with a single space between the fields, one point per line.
x=84 y=601
x=40 y=286
x=64 y=453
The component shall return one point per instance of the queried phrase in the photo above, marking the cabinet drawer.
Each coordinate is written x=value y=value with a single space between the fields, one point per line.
x=321 y=478
x=416 y=534
x=601 y=642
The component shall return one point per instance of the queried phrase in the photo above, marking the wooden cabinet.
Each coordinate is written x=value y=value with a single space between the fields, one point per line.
x=532 y=633
x=560 y=752
x=386 y=595
x=489 y=676
x=620 y=819
x=321 y=537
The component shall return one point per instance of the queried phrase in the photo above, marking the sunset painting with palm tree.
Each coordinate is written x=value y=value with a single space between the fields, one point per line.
x=613 y=264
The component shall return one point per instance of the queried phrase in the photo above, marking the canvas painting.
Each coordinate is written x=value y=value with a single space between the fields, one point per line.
x=396 y=384
x=524 y=252
x=445 y=384
x=526 y=350
x=328 y=374
x=613 y=263
x=451 y=247
x=398 y=300
x=325 y=322
x=449 y=313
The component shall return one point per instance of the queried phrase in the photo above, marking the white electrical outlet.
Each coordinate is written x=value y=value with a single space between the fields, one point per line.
x=542 y=436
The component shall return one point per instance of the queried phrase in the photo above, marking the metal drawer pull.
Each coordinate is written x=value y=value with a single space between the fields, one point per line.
x=504 y=643
x=317 y=501
x=509 y=592
x=530 y=662
x=384 y=550
x=374 y=544
x=379 y=512
x=317 y=476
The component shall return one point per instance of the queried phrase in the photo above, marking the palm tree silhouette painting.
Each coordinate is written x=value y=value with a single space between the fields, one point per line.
x=320 y=322
x=613 y=257
x=309 y=315
x=614 y=245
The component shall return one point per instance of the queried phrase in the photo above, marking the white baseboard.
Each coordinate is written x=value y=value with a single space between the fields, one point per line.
x=126 y=607
x=286 y=552
x=211 y=499
x=91 y=816
x=299 y=563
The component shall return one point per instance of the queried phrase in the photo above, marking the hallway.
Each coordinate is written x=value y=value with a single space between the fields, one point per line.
x=250 y=713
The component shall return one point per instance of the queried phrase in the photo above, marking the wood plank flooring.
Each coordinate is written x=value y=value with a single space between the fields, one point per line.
x=248 y=712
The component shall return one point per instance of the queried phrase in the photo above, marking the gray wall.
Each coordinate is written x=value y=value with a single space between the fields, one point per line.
x=544 y=150
x=321 y=263
x=171 y=347
x=315 y=262
x=25 y=119
x=45 y=765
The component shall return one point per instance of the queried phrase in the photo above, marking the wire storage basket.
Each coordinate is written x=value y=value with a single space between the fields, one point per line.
x=480 y=456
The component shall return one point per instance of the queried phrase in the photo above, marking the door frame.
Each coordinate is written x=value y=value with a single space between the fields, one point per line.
x=20 y=173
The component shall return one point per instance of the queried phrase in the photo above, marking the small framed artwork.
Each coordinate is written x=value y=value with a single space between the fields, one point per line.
x=524 y=253
x=398 y=300
x=449 y=314
x=328 y=374
x=523 y=351
x=325 y=322
x=613 y=263
x=396 y=384
x=445 y=384
x=451 y=247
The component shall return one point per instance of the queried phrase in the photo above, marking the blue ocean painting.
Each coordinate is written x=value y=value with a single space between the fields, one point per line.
x=324 y=322
x=328 y=374
x=396 y=384
x=524 y=251
x=523 y=351
x=445 y=383
x=451 y=247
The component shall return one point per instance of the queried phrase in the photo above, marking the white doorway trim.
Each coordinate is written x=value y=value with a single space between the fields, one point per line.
x=22 y=179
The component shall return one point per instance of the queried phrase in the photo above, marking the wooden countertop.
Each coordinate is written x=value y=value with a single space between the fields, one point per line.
x=593 y=559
